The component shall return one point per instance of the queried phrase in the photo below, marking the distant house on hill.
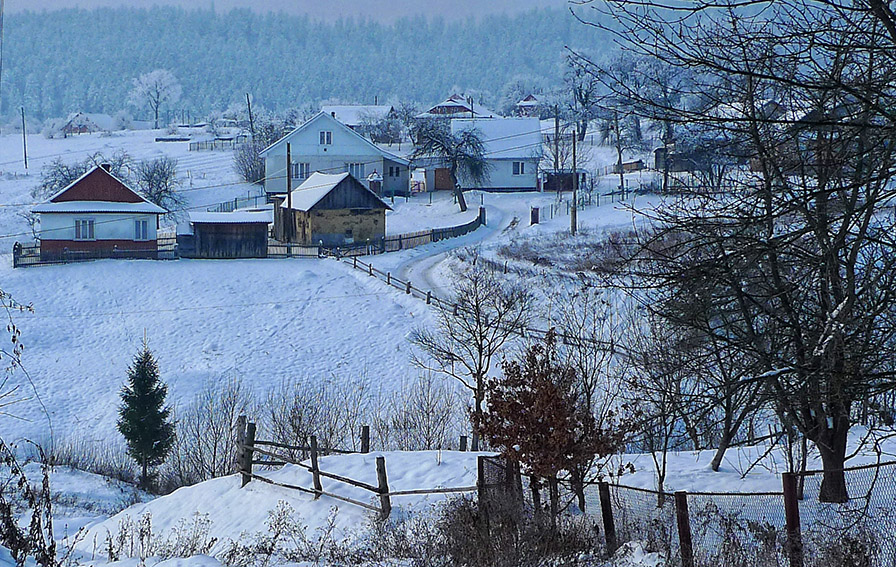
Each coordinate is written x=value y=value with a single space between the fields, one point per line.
x=84 y=123
x=98 y=214
x=333 y=209
x=529 y=107
x=456 y=106
x=512 y=150
x=356 y=115
x=324 y=144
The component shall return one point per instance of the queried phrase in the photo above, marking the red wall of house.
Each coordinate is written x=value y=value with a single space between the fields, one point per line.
x=99 y=186
x=56 y=248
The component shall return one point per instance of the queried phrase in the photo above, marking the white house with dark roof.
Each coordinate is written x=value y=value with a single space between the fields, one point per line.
x=326 y=145
x=98 y=214
x=513 y=150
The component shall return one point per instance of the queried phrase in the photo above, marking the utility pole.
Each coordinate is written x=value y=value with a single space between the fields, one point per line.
x=251 y=122
x=287 y=227
x=556 y=138
x=24 y=143
x=573 y=213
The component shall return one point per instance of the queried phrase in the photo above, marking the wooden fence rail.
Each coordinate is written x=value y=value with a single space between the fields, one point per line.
x=248 y=446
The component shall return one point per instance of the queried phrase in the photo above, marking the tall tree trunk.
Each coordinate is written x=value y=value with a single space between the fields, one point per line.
x=458 y=191
x=724 y=443
x=831 y=443
x=554 y=489
x=156 y=109
x=577 y=480
x=478 y=396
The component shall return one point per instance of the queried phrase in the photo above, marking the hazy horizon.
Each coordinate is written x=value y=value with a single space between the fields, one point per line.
x=382 y=10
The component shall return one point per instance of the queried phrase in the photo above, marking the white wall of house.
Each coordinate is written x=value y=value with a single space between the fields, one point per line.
x=502 y=176
x=107 y=226
x=344 y=148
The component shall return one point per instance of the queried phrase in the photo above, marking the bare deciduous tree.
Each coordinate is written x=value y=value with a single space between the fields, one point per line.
x=792 y=264
x=154 y=89
x=157 y=180
x=490 y=312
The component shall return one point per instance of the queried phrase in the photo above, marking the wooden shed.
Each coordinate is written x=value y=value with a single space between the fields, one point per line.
x=239 y=234
x=333 y=210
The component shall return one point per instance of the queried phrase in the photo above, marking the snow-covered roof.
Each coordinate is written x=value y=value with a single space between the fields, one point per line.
x=354 y=114
x=529 y=101
x=505 y=138
x=457 y=106
x=313 y=189
x=324 y=116
x=101 y=121
x=316 y=187
x=235 y=217
x=99 y=207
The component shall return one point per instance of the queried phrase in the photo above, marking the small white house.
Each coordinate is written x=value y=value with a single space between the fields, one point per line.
x=512 y=149
x=98 y=214
x=326 y=145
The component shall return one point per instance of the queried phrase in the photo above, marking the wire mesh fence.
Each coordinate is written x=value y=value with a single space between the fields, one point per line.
x=860 y=531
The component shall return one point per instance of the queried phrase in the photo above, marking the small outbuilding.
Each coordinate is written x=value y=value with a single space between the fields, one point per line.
x=237 y=234
x=330 y=209
x=98 y=215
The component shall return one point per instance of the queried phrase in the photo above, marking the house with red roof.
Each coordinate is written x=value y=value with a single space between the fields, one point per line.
x=98 y=215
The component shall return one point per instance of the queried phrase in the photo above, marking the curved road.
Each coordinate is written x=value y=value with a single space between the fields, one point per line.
x=501 y=214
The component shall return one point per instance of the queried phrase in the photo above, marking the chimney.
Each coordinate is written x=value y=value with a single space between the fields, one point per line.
x=333 y=114
x=376 y=100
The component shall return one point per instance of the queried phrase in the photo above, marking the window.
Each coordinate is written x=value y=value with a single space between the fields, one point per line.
x=519 y=168
x=84 y=229
x=356 y=169
x=326 y=138
x=394 y=171
x=301 y=170
x=141 y=230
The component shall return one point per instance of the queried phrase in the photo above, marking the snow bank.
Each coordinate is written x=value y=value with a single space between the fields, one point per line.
x=235 y=512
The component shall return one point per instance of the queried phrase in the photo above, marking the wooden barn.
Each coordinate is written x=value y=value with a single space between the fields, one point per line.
x=238 y=234
x=330 y=209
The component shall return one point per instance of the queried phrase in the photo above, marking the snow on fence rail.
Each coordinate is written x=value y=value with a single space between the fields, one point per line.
x=248 y=446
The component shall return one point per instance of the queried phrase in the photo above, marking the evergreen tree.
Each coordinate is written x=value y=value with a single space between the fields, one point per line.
x=143 y=418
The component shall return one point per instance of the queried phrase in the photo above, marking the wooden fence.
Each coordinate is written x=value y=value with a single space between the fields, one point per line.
x=273 y=452
x=218 y=144
x=24 y=256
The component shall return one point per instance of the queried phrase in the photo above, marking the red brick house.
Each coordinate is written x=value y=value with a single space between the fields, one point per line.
x=98 y=215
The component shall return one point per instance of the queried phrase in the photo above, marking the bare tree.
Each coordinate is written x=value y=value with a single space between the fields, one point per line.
x=462 y=152
x=489 y=313
x=584 y=93
x=155 y=89
x=794 y=263
x=157 y=180
x=57 y=175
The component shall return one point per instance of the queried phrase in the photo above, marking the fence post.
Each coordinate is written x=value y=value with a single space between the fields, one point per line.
x=315 y=468
x=399 y=242
x=482 y=216
x=606 y=512
x=355 y=262
x=388 y=278
x=792 y=521
x=428 y=297
x=480 y=481
x=239 y=437
x=247 y=454
x=463 y=443
x=408 y=289
x=684 y=529
x=365 y=438
x=369 y=269
x=383 y=487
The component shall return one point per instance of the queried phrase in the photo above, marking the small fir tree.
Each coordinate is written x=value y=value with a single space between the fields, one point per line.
x=143 y=417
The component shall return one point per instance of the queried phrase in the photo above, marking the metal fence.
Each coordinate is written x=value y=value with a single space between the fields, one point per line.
x=861 y=531
x=239 y=203
x=716 y=529
x=219 y=144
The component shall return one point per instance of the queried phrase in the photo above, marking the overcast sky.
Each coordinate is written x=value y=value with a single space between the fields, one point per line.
x=325 y=9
